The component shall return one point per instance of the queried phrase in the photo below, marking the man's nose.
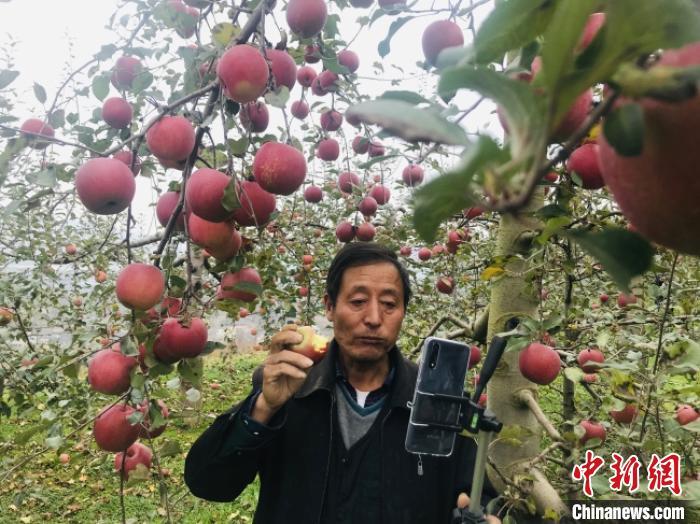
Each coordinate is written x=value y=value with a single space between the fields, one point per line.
x=373 y=316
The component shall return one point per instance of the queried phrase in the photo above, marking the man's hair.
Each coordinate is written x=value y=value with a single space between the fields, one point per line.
x=356 y=254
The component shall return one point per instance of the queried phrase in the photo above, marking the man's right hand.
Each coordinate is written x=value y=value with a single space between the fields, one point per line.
x=284 y=372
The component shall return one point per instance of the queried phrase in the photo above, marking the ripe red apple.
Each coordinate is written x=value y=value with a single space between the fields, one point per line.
x=424 y=254
x=167 y=202
x=169 y=307
x=105 y=186
x=438 y=249
x=300 y=109
x=140 y=286
x=345 y=232
x=347 y=181
x=284 y=70
x=256 y=204
x=112 y=429
x=109 y=371
x=213 y=236
x=380 y=193
x=307 y=259
x=117 y=112
x=100 y=276
x=145 y=429
x=316 y=87
x=313 y=194
x=279 y=168
x=584 y=162
x=593 y=25
x=592 y=430
x=136 y=454
x=6 y=316
x=349 y=59
x=312 y=346
x=553 y=176
x=624 y=299
x=625 y=415
x=64 y=458
x=328 y=149
x=368 y=206
x=303 y=291
x=366 y=232
x=412 y=175
x=32 y=129
x=331 y=120
x=360 y=145
x=592 y=355
x=590 y=378
x=243 y=312
x=205 y=189
x=574 y=117
x=474 y=356
x=171 y=138
x=686 y=414
x=306 y=75
x=405 y=251
x=180 y=338
x=445 y=284
x=125 y=156
x=125 y=71
x=70 y=249
x=243 y=73
x=375 y=149
x=77 y=301
x=438 y=36
x=233 y=285
x=306 y=18
x=603 y=298
x=473 y=212
x=254 y=116
x=312 y=54
x=539 y=363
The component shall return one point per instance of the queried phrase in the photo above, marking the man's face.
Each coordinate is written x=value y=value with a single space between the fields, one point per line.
x=368 y=313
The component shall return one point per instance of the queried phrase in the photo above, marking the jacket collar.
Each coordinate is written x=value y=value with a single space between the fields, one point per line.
x=323 y=376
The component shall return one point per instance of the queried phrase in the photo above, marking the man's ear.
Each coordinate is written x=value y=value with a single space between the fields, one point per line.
x=328 y=306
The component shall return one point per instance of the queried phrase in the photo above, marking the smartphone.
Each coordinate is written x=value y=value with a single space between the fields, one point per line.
x=442 y=370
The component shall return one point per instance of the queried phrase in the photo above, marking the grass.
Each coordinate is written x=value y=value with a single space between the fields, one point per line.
x=87 y=488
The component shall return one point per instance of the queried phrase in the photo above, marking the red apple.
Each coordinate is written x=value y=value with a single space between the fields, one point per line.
x=603 y=298
x=279 y=168
x=243 y=312
x=32 y=129
x=316 y=87
x=584 y=162
x=327 y=83
x=593 y=25
x=303 y=291
x=300 y=109
x=306 y=18
x=313 y=194
x=140 y=286
x=112 y=429
x=625 y=415
x=179 y=338
x=539 y=363
x=109 y=371
x=125 y=156
x=331 y=120
x=347 y=181
x=345 y=232
x=100 y=276
x=424 y=254
x=256 y=204
x=349 y=59
x=473 y=212
x=125 y=71
x=375 y=149
x=171 y=138
x=405 y=251
x=306 y=75
x=243 y=73
x=366 y=232
x=145 y=429
x=574 y=118
x=6 y=316
x=105 y=186
x=624 y=299
x=169 y=307
x=380 y=193
x=312 y=346
x=445 y=284
x=64 y=458
x=474 y=356
x=312 y=54
x=233 y=285
x=213 y=236
x=136 y=454
x=117 y=112
x=205 y=189
x=70 y=249
x=254 y=116
x=284 y=70
x=167 y=202
x=551 y=177
x=590 y=378
x=686 y=414
x=412 y=175
x=328 y=149
x=593 y=430
x=307 y=259
x=367 y=206
x=592 y=355
x=438 y=36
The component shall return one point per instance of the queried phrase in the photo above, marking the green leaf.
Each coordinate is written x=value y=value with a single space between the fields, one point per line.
x=230 y=199
x=384 y=46
x=511 y=25
x=57 y=118
x=406 y=121
x=170 y=448
x=142 y=81
x=39 y=92
x=406 y=96
x=622 y=253
x=190 y=369
x=522 y=108
x=238 y=149
x=450 y=193
x=100 y=86
x=7 y=76
x=689 y=360
x=45 y=177
x=278 y=98
x=624 y=129
x=222 y=34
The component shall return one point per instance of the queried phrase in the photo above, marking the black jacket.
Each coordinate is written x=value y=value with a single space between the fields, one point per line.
x=293 y=462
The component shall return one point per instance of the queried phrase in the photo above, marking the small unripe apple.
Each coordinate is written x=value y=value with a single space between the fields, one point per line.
x=686 y=414
x=140 y=286
x=539 y=363
x=117 y=112
x=313 y=346
x=593 y=430
x=589 y=360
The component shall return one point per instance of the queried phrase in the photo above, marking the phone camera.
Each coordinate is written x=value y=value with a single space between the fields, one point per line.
x=434 y=347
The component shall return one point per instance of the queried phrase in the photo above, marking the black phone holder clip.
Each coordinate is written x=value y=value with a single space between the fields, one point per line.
x=478 y=420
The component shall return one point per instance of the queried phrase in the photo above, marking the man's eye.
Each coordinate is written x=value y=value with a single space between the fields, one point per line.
x=390 y=304
x=357 y=302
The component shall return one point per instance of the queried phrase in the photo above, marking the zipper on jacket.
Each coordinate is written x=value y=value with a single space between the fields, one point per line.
x=381 y=447
x=420 y=465
x=328 y=460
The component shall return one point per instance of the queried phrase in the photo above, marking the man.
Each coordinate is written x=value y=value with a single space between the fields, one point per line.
x=328 y=440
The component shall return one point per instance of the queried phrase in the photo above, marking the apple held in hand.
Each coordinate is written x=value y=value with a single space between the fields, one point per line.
x=313 y=346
